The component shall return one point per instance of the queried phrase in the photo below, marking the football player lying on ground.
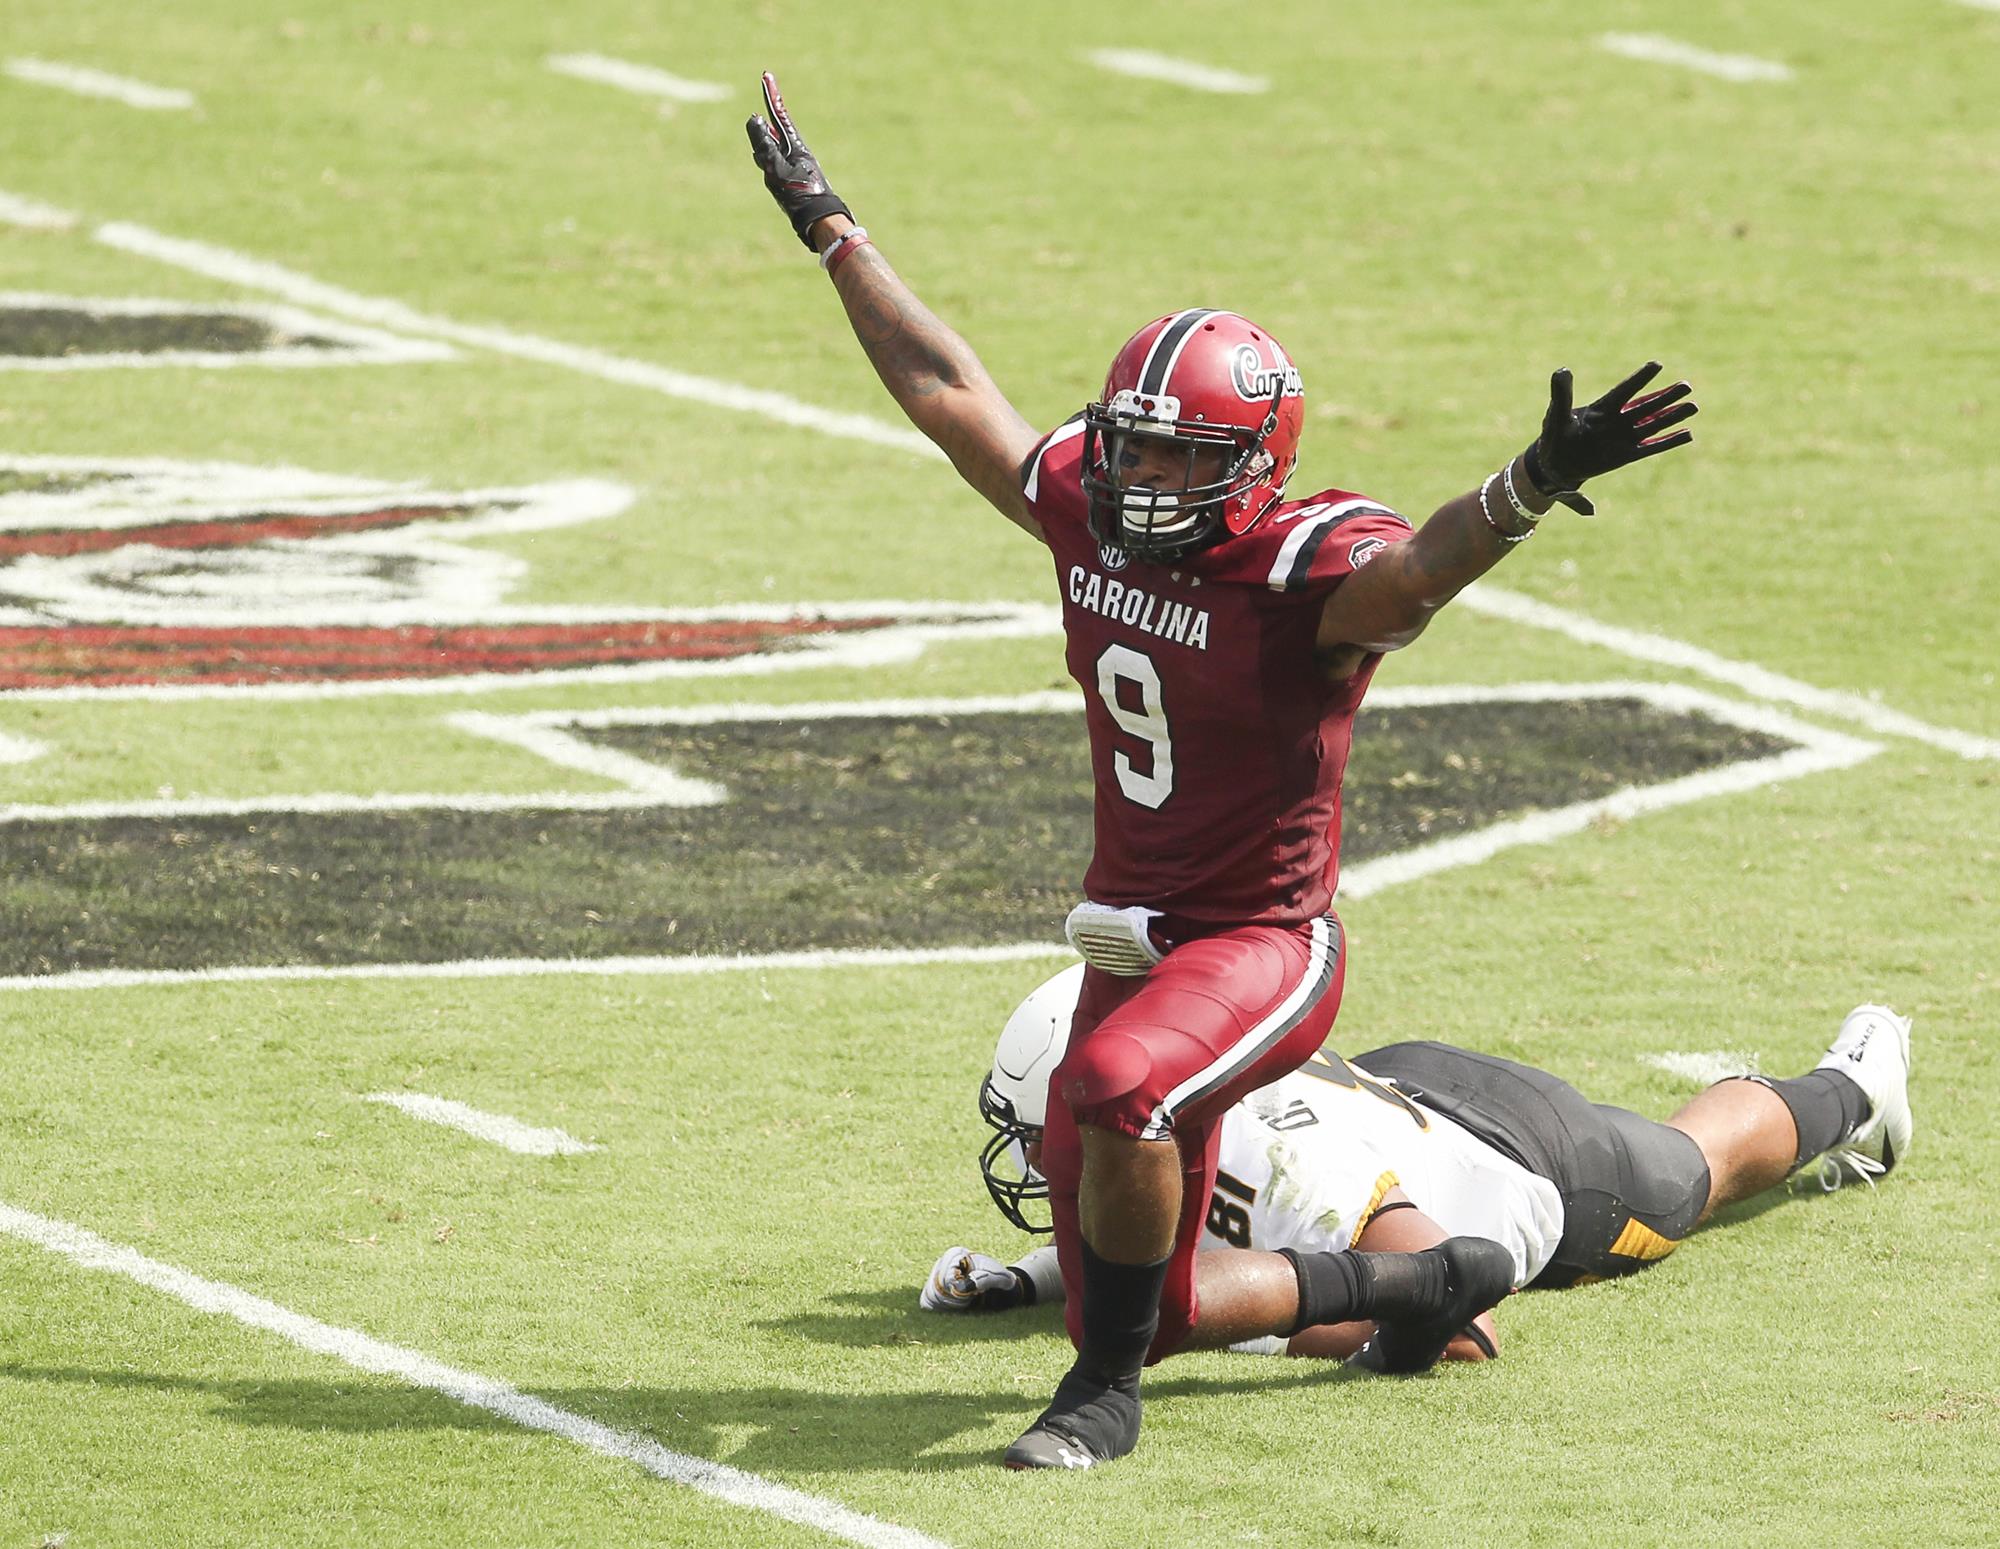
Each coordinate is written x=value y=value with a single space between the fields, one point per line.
x=1398 y=1149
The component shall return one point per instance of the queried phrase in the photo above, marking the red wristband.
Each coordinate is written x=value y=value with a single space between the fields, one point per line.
x=845 y=249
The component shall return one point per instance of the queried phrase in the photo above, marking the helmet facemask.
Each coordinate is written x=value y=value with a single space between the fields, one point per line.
x=1003 y=1162
x=1162 y=524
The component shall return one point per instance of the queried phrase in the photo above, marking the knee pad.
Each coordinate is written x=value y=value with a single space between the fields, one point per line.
x=1100 y=1073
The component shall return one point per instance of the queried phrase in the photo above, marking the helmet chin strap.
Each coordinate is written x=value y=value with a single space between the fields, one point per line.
x=1271 y=414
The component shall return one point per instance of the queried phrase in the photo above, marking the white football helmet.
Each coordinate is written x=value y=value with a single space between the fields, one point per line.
x=1014 y=1097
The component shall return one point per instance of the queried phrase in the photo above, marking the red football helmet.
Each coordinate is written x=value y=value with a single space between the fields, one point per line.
x=1194 y=384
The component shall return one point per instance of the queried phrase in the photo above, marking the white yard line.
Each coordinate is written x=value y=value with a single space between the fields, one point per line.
x=551 y=742
x=1982 y=5
x=1370 y=877
x=1145 y=65
x=86 y=82
x=322 y=803
x=716 y=1480
x=1665 y=651
x=1654 y=49
x=1702 y=1067
x=1041 y=702
x=545 y=967
x=645 y=80
x=32 y=214
x=494 y=1127
x=219 y=263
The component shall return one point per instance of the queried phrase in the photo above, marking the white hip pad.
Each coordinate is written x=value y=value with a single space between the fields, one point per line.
x=1115 y=940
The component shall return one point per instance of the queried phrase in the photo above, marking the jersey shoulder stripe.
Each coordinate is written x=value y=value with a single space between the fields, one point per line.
x=1031 y=470
x=1293 y=566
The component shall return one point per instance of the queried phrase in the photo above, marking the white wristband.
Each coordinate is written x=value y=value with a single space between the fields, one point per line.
x=1498 y=531
x=1514 y=500
x=852 y=234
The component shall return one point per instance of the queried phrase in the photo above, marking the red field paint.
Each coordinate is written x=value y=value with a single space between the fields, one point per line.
x=103 y=656
x=230 y=532
x=138 y=577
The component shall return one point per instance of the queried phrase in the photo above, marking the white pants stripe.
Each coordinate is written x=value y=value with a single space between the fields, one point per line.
x=1322 y=957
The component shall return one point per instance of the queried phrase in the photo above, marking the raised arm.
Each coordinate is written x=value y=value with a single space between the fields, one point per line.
x=930 y=371
x=1386 y=604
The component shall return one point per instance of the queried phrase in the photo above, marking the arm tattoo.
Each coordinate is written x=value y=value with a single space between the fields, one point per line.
x=1453 y=549
x=965 y=442
x=937 y=381
x=916 y=356
x=1449 y=552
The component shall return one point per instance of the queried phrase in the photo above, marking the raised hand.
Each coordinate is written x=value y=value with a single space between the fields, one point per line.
x=791 y=172
x=1608 y=433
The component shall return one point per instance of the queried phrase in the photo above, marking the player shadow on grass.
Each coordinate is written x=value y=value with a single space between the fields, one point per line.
x=763 y=1429
x=890 y=1317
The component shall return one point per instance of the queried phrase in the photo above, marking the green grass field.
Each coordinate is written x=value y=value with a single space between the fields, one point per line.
x=1432 y=208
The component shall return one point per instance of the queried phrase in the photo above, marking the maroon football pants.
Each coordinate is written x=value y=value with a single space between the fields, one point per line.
x=1166 y=1055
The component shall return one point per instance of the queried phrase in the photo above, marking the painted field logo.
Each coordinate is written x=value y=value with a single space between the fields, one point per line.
x=150 y=577
x=41 y=332
x=777 y=828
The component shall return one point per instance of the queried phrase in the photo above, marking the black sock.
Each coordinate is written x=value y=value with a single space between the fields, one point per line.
x=1827 y=1106
x=1334 y=1287
x=1409 y=1284
x=1121 y=1314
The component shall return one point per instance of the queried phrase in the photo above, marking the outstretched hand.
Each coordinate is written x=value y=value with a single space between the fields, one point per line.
x=791 y=172
x=1605 y=434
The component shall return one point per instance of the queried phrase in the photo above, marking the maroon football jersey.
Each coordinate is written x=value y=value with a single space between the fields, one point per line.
x=1216 y=742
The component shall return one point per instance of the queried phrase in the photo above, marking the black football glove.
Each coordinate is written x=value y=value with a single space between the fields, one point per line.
x=1582 y=443
x=790 y=170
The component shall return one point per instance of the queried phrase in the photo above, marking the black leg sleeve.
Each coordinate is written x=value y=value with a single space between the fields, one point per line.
x=1121 y=1315
x=1827 y=1106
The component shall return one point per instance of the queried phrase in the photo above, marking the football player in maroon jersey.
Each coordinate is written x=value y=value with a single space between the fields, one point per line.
x=1223 y=637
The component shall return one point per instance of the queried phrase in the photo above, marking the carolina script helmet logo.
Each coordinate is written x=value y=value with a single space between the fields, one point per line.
x=1255 y=382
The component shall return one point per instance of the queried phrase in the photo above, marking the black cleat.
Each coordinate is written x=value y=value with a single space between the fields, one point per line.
x=1478 y=1273
x=1088 y=1422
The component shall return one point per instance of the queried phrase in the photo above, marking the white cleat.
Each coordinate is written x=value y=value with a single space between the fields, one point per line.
x=1874 y=1050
